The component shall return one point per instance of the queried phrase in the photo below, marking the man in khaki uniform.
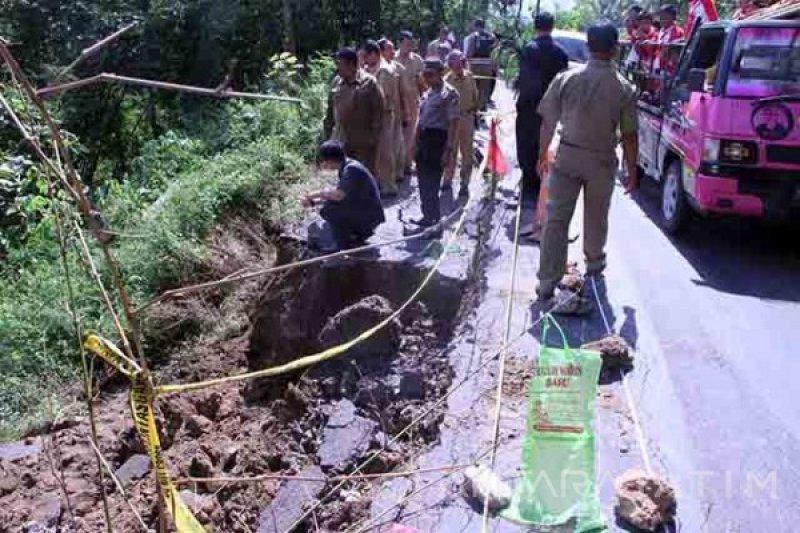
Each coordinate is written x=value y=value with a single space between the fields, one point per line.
x=469 y=101
x=389 y=84
x=355 y=109
x=402 y=116
x=412 y=90
x=594 y=104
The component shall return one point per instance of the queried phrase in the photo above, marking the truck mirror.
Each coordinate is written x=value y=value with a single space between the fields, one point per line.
x=697 y=80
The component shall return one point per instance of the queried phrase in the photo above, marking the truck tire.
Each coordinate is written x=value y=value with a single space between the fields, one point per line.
x=674 y=207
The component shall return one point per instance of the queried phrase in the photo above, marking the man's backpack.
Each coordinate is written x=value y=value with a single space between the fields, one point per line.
x=484 y=42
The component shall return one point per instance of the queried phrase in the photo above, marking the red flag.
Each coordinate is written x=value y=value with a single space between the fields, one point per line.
x=497 y=163
x=705 y=10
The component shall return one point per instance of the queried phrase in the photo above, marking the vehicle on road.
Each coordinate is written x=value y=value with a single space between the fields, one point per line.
x=574 y=44
x=722 y=133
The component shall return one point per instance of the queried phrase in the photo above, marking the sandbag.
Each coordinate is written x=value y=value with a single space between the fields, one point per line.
x=558 y=456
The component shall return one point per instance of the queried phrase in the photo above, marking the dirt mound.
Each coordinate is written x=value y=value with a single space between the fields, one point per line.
x=644 y=501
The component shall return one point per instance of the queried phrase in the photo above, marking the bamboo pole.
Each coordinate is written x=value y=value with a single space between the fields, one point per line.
x=154 y=84
x=96 y=47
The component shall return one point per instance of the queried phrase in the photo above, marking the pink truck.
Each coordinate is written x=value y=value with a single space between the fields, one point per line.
x=723 y=133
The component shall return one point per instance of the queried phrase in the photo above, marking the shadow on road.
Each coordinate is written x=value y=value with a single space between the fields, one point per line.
x=741 y=256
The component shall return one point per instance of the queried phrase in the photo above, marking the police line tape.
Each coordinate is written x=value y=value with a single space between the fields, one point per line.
x=143 y=392
x=142 y=397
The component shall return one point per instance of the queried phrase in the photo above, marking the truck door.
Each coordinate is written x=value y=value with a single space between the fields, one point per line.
x=686 y=111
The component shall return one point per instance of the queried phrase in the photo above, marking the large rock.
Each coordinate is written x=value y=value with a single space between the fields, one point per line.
x=345 y=438
x=11 y=451
x=47 y=510
x=644 y=501
x=9 y=478
x=351 y=321
x=291 y=501
x=136 y=467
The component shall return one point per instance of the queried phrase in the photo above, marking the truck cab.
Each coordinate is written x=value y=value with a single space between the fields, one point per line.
x=723 y=133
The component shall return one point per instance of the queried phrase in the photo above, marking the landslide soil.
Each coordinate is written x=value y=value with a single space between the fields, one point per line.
x=243 y=429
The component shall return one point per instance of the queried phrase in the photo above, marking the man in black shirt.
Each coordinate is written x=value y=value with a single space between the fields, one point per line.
x=353 y=209
x=540 y=61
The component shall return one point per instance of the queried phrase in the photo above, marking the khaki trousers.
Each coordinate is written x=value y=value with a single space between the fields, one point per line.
x=564 y=186
x=465 y=146
x=366 y=155
x=386 y=151
x=400 y=152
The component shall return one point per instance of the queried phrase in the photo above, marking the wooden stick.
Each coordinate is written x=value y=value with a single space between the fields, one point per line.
x=91 y=50
x=154 y=84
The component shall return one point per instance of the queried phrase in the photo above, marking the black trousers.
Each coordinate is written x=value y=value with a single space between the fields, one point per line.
x=347 y=230
x=431 y=144
x=528 y=126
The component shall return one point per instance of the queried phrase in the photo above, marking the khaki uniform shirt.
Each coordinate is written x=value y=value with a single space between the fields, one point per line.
x=354 y=111
x=469 y=99
x=439 y=108
x=594 y=104
x=412 y=76
x=389 y=82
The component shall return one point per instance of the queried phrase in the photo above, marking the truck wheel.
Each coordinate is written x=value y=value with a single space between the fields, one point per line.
x=674 y=208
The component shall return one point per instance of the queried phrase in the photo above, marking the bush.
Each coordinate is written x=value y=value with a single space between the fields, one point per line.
x=181 y=186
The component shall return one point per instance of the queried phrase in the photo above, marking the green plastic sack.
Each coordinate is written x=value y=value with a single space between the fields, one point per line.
x=558 y=455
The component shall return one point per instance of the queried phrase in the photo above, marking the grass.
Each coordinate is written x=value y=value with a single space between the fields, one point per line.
x=245 y=160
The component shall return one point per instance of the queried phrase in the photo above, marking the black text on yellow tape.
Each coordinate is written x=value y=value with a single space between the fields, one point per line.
x=141 y=399
x=142 y=408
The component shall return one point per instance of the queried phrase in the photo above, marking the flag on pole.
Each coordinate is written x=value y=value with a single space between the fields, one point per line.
x=497 y=163
x=702 y=10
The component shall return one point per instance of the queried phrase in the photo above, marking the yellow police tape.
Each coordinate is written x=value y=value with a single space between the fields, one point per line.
x=142 y=396
x=143 y=392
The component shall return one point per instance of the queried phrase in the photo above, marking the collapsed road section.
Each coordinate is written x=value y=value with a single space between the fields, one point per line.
x=273 y=454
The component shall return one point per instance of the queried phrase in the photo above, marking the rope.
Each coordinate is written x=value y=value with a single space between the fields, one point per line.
x=237 y=278
x=347 y=477
x=640 y=439
x=504 y=351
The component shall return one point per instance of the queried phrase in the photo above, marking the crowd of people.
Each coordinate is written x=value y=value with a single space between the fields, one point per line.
x=391 y=114
x=390 y=110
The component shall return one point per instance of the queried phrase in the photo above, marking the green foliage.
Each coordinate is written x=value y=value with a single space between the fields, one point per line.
x=176 y=191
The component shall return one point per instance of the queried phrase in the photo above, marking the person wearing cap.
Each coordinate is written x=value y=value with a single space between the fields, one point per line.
x=402 y=116
x=540 y=61
x=389 y=83
x=469 y=101
x=480 y=45
x=355 y=110
x=353 y=209
x=413 y=89
x=595 y=105
x=436 y=138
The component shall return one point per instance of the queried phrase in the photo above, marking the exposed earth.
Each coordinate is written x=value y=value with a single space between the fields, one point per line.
x=711 y=318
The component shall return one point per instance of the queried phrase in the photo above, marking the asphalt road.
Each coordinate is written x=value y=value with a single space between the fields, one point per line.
x=714 y=316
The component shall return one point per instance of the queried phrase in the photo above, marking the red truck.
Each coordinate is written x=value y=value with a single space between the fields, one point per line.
x=722 y=133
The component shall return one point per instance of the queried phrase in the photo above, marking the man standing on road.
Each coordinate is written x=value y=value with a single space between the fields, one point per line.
x=355 y=108
x=594 y=104
x=462 y=81
x=541 y=60
x=480 y=45
x=353 y=209
x=412 y=90
x=389 y=84
x=436 y=139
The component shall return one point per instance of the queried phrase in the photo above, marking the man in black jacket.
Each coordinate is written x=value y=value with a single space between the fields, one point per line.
x=540 y=61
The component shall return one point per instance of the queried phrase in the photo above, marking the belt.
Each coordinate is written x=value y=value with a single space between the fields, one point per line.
x=432 y=130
